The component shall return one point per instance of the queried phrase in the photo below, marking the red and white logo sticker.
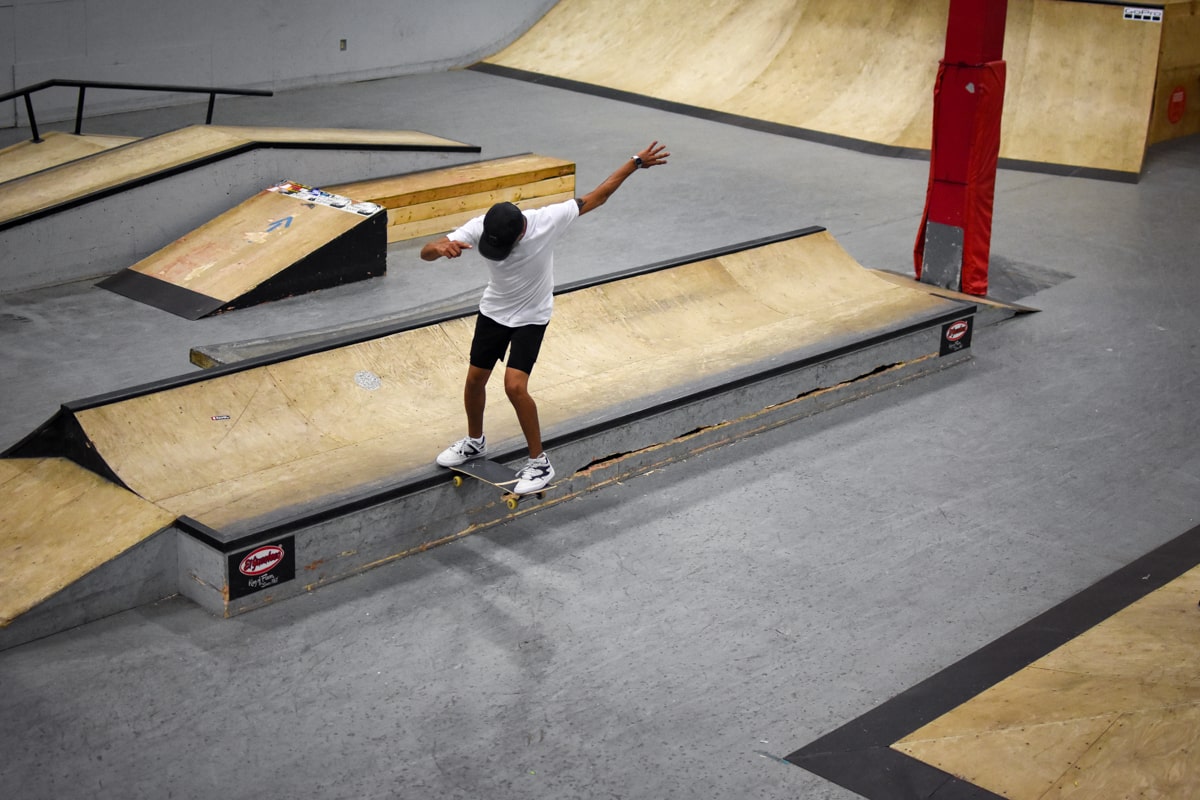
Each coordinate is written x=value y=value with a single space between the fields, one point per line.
x=1176 y=105
x=262 y=560
x=957 y=330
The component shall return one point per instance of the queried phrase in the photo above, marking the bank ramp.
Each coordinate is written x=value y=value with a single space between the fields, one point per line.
x=1089 y=84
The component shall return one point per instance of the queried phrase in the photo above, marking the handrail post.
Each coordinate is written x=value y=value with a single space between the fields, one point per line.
x=32 y=120
x=212 y=100
x=79 y=111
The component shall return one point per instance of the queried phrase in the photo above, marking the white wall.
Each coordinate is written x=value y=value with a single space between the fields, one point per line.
x=260 y=44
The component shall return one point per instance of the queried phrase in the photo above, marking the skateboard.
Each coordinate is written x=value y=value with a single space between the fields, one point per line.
x=494 y=474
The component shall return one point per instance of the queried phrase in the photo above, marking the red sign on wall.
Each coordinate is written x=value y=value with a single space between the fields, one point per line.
x=1177 y=104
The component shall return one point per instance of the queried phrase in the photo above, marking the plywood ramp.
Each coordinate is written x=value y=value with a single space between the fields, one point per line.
x=59 y=522
x=1113 y=713
x=25 y=158
x=1080 y=77
x=275 y=439
x=1177 y=96
x=156 y=155
x=285 y=240
x=439 y=200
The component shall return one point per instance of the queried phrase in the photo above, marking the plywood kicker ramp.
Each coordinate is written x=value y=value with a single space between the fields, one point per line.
x=271 y=440
x=286 y=240
x=1081 y=77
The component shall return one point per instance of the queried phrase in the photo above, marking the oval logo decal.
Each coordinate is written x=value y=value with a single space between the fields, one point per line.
x=956 y=331
x=262 y=560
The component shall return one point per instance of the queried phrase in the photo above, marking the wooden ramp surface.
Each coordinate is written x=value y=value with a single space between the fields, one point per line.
x=146 y=158
x=1080 y=77
x=26 y=158
x=243 y=446
x=1113 y=713
x=243 y=249
x=58 y=522
x=439 y=200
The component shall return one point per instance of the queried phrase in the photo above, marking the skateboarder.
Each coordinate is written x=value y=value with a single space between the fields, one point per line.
x=515 y=308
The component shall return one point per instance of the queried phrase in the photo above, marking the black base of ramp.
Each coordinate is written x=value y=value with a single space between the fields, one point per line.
x=356 y=255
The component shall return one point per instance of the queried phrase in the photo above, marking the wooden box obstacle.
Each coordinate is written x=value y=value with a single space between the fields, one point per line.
x=439 y=200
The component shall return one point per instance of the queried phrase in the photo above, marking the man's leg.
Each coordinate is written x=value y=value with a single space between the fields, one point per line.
x=475 y=399
x=516 y=386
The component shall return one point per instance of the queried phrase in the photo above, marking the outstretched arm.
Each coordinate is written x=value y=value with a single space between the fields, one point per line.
x=652 y=156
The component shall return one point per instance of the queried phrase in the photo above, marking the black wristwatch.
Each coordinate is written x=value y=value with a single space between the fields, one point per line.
x=637 y=162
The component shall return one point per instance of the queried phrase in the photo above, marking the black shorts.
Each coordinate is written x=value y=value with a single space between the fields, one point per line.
x=492 y=338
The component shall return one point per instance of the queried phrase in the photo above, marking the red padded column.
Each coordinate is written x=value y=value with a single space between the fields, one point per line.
x=954 y=241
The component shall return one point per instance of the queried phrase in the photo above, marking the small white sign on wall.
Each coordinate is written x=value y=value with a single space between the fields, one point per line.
x=1143 y=14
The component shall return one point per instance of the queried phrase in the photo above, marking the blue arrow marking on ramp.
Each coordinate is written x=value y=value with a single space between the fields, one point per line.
x=285 y=222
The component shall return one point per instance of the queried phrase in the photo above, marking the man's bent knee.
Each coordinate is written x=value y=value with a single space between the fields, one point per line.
x=516 y=383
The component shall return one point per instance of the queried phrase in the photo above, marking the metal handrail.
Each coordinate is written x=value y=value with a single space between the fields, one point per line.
x=83 y=86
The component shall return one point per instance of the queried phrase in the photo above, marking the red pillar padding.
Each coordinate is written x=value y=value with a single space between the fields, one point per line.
x=967 y=105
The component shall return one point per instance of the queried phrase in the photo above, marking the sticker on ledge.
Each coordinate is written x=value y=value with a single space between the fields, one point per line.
x=368 y=380
x=956 y=336
x=263 y=567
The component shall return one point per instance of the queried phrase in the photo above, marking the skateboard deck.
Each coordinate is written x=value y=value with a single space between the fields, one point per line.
x=494 y=474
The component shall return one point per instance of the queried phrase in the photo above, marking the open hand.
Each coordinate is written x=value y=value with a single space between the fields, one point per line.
x=653 y=155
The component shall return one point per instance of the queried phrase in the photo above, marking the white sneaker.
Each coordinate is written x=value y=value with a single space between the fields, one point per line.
x=463 y=451
x=534 y=476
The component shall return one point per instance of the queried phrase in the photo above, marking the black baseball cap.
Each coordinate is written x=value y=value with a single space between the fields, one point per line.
x=503 y=224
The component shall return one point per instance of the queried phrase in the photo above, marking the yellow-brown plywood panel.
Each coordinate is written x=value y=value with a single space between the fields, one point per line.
x=236 y=251
x=115 y=167
x=447 y=215
x=58 y=522
x=1113 y=713
x=336 y=136
x=157 y=154
x=1080 y=76
x=479 y=202
x=464 y=179
x=247 y=444
x=55 y=148
x=1177 y=96
x=1082 y=95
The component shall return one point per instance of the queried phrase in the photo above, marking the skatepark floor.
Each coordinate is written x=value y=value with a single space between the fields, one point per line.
x=679 y=634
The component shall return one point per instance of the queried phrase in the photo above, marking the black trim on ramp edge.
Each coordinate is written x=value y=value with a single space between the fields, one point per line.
x=858 y=755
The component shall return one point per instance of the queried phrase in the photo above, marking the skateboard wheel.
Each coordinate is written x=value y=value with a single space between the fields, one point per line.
x=457 y=480
x=511 y=502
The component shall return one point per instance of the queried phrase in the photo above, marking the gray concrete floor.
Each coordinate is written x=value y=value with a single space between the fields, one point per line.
x=664 y=637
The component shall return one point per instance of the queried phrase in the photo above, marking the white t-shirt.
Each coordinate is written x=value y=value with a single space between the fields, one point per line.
x=521 y=288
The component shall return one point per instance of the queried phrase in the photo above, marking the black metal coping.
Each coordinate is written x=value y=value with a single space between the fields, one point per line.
x=351 y=505
x=858 y=756
x=204 y=161
x=792 y=131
